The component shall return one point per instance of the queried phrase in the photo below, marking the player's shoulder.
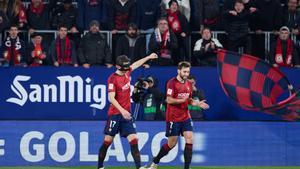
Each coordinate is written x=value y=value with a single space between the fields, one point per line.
x=172 y=80
x=112 y=77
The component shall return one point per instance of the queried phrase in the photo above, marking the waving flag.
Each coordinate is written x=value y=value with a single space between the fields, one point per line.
x=256 y=85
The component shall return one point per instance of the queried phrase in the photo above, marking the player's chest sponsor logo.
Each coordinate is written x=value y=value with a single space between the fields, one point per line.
x=126 y=86
x=183 y=95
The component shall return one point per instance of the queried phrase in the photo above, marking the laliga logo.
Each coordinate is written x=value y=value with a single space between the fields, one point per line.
x=76 y=87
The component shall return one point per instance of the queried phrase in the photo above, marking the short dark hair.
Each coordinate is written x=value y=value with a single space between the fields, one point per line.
x=161 y=19
x=205 y=28
x=61 y=26
x=239 y=1
x=170 y=2
x=122 y=59
x=133 y=26
x=183 y=64
x=13 y=26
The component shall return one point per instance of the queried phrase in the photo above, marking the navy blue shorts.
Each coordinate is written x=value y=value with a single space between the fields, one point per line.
x=117 y=124
x=177 y=128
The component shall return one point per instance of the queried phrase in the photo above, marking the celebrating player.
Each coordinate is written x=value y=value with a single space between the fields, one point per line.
x=119 y=116
x=178 y=119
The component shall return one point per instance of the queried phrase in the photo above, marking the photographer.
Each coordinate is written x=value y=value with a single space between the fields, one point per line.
x=204 y=49
x=147 y=94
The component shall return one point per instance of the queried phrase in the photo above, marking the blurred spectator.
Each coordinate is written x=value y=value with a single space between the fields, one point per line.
x=147 y=93
x=204 y=50
x=205 y=13
x=148 y=12
x=195 y=111
x=4 y=23
x=249 y=4
x=163 y=42
x=89 y=10
x=291 y=17
x=62 y=49
x=93 y=49
x=283 y=52
x=179 y=25
x=266 y=18
x=38 y=16
x=14 y=49
x=36 y=51
x=15 y=12
x=132 y=44
x=65 y=14
x=184 y=7
x=237 y=20
x=120 y=13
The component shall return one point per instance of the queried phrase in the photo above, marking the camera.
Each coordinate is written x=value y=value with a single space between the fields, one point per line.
x=139 y=92
x=142 y=84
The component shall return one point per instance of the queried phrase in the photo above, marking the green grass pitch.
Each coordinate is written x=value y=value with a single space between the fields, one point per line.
x=206 y=167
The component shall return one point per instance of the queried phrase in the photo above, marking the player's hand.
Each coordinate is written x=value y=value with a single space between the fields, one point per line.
x=152 y=56
x=126 y=114
x=86 y=65
x=203 y=105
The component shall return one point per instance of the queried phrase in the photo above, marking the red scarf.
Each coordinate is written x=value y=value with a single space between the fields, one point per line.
x=22 y=14
x=37 y=55
x=37 y=10
x=12 y=52
x=163 y=38
x=66 y=57
x=174 y=22
x=93 y=2
x=279 y=60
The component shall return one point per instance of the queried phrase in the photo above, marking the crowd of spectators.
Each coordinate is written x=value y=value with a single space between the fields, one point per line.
x=170 y=26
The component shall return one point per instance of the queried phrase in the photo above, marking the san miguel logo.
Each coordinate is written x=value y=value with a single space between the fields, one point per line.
x=68 y=89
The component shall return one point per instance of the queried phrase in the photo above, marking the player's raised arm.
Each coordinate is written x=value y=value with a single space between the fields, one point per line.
x=140 y=62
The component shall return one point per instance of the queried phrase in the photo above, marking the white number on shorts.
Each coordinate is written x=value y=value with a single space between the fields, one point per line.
x=112 y=124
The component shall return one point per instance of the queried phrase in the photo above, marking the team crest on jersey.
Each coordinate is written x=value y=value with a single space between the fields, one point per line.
x=170 y=91
x=111 y=86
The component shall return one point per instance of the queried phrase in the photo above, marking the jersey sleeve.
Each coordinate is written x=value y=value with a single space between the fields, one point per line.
x=111 y=85
x=170 y=89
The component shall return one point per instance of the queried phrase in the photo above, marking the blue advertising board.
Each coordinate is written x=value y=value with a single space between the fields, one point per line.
x=68 y=93
x=76 y=143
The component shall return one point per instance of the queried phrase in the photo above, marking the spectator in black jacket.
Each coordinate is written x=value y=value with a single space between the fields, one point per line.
x=120 y=14
x=62 y=49
x=204 y=49
x=179 y=25
x=266 y=18
x=132 y=44
x=14 y=49
x=4 y=22
x=65 y=14
x=38 y=15
x=93 y=49
x=291 y=17
x=237 y=20
x=205 y=13
x=163 y=42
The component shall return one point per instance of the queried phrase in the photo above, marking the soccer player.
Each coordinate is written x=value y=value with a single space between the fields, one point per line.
x=178 y=119
x=119 y=116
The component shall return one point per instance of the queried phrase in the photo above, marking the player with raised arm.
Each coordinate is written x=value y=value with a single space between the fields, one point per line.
x=119 y=116
x=178 y=119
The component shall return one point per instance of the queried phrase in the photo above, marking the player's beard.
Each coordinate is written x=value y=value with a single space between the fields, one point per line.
x=184 y=78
